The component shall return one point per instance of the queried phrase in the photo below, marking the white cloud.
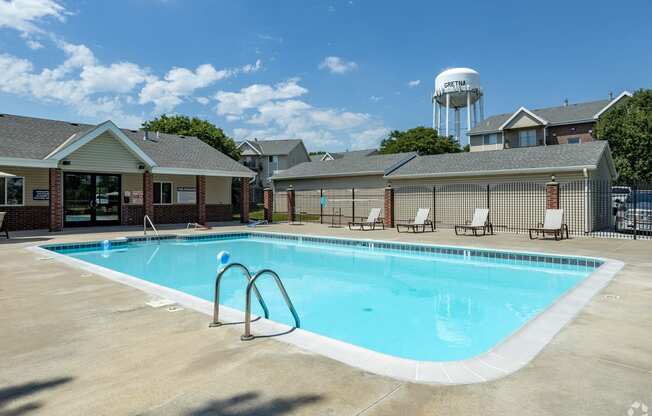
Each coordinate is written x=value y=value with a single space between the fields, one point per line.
x=34 y=44
x=375 y=98
x=274 y=112
x=180 y=83
x=22 y=15
x=100 y=91
x=203 y=100
x=235 y=103
x=336 y=65
x=414 y=83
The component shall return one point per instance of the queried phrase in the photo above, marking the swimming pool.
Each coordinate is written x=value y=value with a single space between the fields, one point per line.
x=420 y=303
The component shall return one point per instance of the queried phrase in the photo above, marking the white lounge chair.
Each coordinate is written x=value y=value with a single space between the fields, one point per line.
x=421 y=220
x=371 y=221
x=553 y=223
x=3 y=224
x=480 y=222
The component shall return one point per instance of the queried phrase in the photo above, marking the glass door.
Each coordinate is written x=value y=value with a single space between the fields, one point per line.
x=107 y=199
x=91 y=199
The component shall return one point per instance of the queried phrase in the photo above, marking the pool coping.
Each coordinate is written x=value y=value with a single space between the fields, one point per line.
x=506 y=357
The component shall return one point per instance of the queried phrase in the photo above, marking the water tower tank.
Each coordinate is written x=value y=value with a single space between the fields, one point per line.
x=457 y=88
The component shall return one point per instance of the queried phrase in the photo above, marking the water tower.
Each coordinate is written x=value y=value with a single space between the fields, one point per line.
x=457 y=88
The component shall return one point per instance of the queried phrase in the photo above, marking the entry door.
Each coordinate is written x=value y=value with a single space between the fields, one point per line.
x=91 y=199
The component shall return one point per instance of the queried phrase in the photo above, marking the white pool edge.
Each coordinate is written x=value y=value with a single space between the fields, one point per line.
x=504 y=358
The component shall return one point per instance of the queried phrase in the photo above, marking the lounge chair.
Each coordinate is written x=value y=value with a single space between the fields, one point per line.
x=480 y=223
x=552 y=224
x=3 y=224
x=421 y=220
x=371 y=221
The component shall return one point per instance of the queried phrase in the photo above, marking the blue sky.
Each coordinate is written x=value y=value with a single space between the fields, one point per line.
x=338 y=74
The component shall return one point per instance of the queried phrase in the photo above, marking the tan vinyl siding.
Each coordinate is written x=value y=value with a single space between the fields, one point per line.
x=218 y=190
x=104 y=154
x=521 y=121
x=131 y=182
x=35 y=178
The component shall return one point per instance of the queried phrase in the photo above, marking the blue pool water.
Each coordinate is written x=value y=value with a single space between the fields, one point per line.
x=411 y=304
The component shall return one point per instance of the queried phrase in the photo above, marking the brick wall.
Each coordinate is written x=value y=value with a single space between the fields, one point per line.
x=218 y=212
x=55 y=208
x=388 y=207
x=27 y=218
x=200 y=190
x=132 y=215
x=175 y=214
x=561 y=134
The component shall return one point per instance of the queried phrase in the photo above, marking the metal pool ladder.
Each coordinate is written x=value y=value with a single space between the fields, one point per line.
x=147 y=219
x=251 y=286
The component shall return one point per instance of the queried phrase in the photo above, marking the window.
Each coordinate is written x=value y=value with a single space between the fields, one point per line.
x=490 y=139
x=162 y=192
x=573 y=140
x=527 y=138
x=11 y=190
x=274 y=163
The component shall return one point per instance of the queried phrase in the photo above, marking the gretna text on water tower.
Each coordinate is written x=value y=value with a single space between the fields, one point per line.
x=457 y=88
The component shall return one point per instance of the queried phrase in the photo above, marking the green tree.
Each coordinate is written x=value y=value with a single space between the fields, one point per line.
x=628 y=128
x=202 y=129
x=424 y=140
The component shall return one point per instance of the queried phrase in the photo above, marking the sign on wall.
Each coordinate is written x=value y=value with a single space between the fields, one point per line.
x=186 y=195
x=40 y=195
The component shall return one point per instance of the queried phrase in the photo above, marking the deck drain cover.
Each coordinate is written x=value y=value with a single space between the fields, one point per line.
x=174 y=308
x=611 y=297
x=368 y=309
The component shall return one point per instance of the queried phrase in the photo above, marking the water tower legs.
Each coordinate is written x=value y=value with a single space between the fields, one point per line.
x=468 y=111
x=448 y=106
x=482 y=107
x=457 y=124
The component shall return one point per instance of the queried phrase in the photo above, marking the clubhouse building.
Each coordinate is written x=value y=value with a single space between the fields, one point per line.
x=56 y=174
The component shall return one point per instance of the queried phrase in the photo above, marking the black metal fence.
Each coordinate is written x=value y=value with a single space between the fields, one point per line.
x=592 y=208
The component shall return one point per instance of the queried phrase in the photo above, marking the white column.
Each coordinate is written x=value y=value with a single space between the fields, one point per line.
x=468 y=111
x=434 y=113
x=482 y=107
x=448 y=105
x=457 y=125
x=474 y=122
x=440 y=109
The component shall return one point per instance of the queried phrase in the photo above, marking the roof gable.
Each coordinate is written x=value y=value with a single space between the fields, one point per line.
x=523 y=118
x=74 y=144
x=622 y=95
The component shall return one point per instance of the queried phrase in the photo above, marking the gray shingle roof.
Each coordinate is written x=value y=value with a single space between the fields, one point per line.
x=353 y=153
x=535 y=158
x=35 y=138
x=571 y=113
x=369 y=165
x=275 y=147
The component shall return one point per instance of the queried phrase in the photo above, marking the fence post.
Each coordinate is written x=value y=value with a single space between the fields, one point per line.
x=290 y=198
x=552 y=194
x=389 y=206
x=434 y=205
x=321 y=206
x=353 y=204
x=245 y=200
x=268 y=204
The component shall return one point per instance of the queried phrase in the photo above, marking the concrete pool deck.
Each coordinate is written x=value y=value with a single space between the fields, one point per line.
x=76 y=343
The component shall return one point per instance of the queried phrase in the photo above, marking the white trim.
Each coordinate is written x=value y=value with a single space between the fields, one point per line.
x=495 y=172
x=6 y=178
x=28 y=163
x=202 y=172
x=154 y=182
x=97 y=131
x=251 y=146
x=517 y=112
x=612 y=102
x=62 y=145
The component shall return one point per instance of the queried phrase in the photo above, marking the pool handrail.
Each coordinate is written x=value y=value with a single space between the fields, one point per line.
x=251 y=286
x=218 y=279
x=147 y=219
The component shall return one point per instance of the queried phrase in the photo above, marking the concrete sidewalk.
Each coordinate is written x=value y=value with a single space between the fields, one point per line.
x=75 y=343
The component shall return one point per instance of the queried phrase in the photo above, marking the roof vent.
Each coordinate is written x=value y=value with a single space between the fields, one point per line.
x=611 y=95
x=565 y=102
x=157 y=136
x=74 y=124
x=146 y=135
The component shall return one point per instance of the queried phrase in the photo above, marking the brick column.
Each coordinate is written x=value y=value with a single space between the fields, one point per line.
x=389 y=206
x=268 y=204
x=56 y=200
x=245 y=194
x=148 y=194
x=200 y=189
x=290 y=198
x=552 y=194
